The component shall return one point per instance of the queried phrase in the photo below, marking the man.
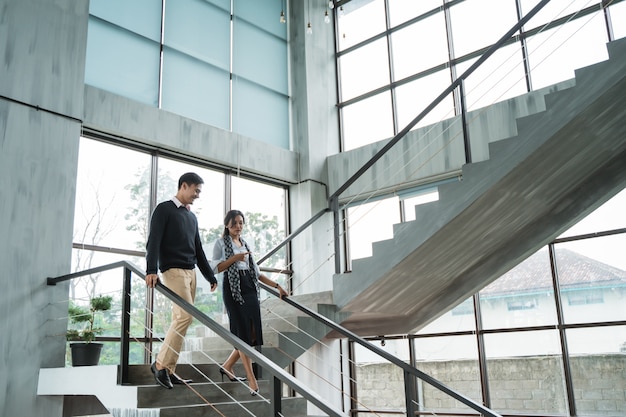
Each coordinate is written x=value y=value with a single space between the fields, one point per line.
x=174 y=247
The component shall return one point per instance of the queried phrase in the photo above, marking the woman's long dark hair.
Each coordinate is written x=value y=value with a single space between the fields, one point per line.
x=230 y=216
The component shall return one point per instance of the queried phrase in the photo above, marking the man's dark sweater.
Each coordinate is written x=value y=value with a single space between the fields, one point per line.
x=174 y=241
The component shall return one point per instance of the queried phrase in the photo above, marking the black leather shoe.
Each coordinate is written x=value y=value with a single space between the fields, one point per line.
x=161 y=376
x=179 y=381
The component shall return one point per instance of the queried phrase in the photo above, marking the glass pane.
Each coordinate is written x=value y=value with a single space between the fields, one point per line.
x=414 y=97
x=475 y=25
x=262 y=14
x=522 y=297
x=195 y=89
x=122 y=62
x=500 y=77
x=452 y=360
x=140 y=16
x=525 y=373
x=554 y=10
x=618 y=19
x=402 y=10
x=109 y=283
x=374 y=372
x=360 y=20
x=555 y=54
x=111 y=181
x=199 y=29
x=371 y=222
x=411 y=203
x=458 y=319
x=592 y=277
x=598 y=363
x=367 y=121
x=260 y=113
x=420 y=46
x=609 y=216
x=264 y=207
x=260 y=56
x=355 y=79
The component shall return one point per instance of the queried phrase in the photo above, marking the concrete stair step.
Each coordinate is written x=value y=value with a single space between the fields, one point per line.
x=293 y=407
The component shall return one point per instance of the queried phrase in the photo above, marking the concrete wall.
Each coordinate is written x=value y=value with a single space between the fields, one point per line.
x=44 y=104
x=116 y=115
x=432 y=152
x=532 y=385
x=42 y=56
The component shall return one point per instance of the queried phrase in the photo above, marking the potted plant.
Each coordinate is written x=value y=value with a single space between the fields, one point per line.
x=84 y=350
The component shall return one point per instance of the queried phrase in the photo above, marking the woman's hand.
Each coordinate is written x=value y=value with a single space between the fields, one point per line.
x=239 y=257
x=281 y=292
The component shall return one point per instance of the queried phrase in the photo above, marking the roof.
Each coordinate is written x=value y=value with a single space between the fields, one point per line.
x=575 y=271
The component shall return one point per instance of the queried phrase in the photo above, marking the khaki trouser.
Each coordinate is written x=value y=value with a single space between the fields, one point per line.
x=183 y=283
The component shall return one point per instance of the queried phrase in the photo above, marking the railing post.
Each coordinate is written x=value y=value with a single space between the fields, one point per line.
x=125 y=336
x=334 y=206
x=409 y=394
x=466 y=138
x=276 y=391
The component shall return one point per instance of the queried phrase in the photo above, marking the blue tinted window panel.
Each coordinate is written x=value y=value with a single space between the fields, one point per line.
x=263 y=14
x=195 y=89
x=139 y=16
x=199 y=29
x=260 y=113
x=222 y=4
x=122 y=62
x=260 y=57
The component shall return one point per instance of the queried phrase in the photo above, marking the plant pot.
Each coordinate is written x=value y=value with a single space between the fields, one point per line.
x=85 y=354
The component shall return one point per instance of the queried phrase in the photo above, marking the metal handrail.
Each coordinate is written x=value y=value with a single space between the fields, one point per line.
x=408 y=369
x=333 y=199
x=278 y=374
x=492 y=49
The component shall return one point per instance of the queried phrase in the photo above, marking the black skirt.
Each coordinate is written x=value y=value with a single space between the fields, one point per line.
x=244 y=319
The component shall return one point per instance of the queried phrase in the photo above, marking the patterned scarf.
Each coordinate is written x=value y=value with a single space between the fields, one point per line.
x=233 y=271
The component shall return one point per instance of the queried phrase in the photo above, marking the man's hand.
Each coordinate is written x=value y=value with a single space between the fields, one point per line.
x=213 y=287
x=152 y=279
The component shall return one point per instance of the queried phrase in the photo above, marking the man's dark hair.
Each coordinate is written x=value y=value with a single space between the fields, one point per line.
x=189 y=178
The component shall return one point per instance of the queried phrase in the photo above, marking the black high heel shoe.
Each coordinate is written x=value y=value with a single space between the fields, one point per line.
x=254 y=392
x=237 y=378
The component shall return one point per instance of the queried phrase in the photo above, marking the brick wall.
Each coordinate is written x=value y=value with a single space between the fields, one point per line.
x=533 y=385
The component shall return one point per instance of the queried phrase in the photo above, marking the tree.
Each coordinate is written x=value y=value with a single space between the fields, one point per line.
x=96 y=226
x=262 y=232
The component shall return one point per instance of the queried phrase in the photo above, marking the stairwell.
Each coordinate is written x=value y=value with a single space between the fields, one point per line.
x=563 y=163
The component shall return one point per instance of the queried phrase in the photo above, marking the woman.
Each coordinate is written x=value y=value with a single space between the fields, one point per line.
x=240 y=292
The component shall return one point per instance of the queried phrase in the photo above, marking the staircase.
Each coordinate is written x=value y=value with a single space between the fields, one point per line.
x=229 y=398
x=287 y=332
x=564 y=162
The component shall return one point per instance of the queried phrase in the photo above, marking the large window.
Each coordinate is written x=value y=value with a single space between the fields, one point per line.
x=414 y=55
x=117 y=189
x=197 y=58
x=570 y=294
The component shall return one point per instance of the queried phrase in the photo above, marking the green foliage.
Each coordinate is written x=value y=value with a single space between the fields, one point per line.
x=85 y=319
x=262 y=232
